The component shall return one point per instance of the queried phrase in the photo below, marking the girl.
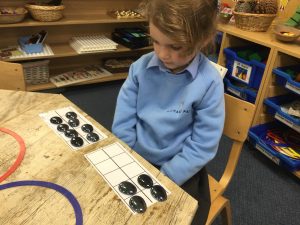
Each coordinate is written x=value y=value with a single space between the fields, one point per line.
x=170 y=109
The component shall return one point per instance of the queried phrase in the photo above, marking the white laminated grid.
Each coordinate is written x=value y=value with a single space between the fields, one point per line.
x=92 y=43
x=47 y=51
x=82 y=120
x=115 y=164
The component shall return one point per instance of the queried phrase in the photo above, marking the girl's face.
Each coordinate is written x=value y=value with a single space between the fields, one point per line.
x=168 y=51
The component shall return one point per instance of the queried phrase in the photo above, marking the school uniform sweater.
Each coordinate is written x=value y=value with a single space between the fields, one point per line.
x=174 y=121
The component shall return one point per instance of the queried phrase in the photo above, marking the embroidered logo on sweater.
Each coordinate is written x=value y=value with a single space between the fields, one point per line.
x=179 y=111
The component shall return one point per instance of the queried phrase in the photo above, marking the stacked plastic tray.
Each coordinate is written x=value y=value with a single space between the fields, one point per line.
x=286 y=127
x=244 y=76
x=258 y=137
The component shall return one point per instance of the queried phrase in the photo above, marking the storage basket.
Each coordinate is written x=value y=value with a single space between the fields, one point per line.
x=36 y=72
x=253 y=22
x=46 y=13
x=13 y=15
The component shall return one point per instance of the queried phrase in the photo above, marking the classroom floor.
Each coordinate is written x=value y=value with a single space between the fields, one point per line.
x=261 y=193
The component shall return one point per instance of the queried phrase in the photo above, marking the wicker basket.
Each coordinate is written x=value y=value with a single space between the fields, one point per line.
x=253 y=22
x=36 y=72
x=17 y=15
x=46 y=13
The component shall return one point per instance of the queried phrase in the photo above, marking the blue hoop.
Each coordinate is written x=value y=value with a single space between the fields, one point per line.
x=75 y=204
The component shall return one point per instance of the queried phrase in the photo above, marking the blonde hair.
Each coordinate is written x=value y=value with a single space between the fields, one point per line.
x=191 y=23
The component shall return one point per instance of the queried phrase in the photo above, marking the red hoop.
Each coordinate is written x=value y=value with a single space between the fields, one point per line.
x=20 y=156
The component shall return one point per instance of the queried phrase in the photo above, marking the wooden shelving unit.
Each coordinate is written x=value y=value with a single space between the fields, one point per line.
x=65 y=50
x=280 y=54
x=80 y=18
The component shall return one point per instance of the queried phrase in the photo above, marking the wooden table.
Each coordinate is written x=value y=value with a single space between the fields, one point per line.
x=48 y=158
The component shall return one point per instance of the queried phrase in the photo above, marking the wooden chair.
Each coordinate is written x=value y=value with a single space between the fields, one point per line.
x=239 y=116
x=11 y=76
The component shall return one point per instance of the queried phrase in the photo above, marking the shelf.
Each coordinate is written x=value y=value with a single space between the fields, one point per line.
x=262 y=38
x=65 y=50
x=292 y=49
x=115 y=76
x=73 y=20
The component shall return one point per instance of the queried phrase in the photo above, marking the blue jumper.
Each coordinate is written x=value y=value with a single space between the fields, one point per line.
x=172 y=120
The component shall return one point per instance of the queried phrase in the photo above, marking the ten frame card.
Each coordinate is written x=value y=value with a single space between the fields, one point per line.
x=61 y=113
x=115 y=164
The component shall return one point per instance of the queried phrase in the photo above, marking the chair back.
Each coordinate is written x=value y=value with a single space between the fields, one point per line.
x=238 y=118
x=12 y=76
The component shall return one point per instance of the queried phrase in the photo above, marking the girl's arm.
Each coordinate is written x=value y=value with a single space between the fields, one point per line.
x=125 y=118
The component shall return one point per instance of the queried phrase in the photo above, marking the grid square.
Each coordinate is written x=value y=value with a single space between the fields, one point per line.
x=122 y=159
x=116 y=177
x=106 y=166
x=147 y=192
x=135 y=181
x=113 y=150
x=132 y=169
x=141 y=194
x=97 y=156
x=124 y=196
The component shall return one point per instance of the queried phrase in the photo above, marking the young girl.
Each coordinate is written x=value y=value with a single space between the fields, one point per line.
x=170 y=109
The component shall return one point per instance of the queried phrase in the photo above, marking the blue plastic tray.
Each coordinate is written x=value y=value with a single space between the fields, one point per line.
x=255 y=134
x=274 y=107
x=30 y=48
x=241 y=92
x=253 y=79
x=284 y=79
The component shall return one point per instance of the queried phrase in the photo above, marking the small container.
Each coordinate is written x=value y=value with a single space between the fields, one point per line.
x=46 y=13
x=28 y=47
x=286 y=33
x=36 y=72
x=12 y=15
x=224 y=17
